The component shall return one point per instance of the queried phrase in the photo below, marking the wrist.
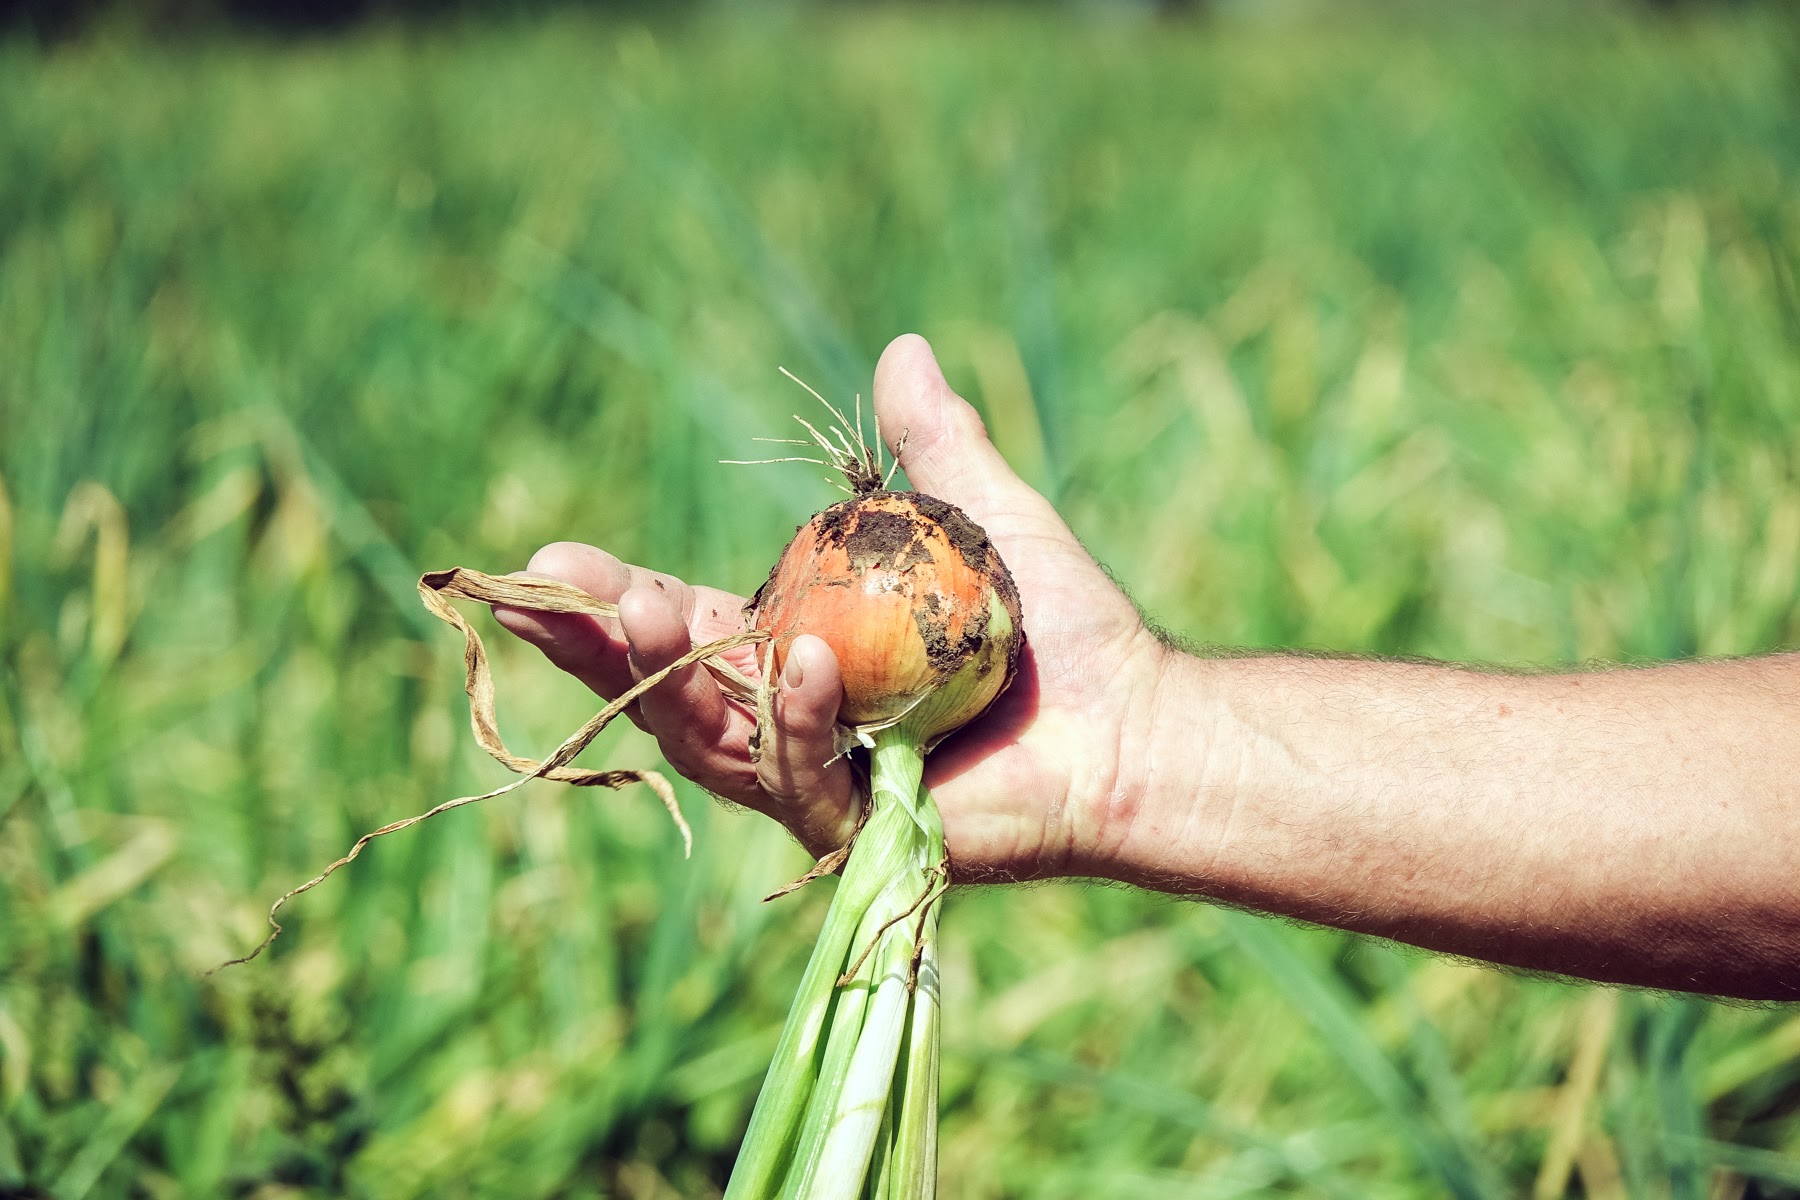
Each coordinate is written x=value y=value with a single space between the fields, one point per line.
x=1127 y=798
x=1165 y=823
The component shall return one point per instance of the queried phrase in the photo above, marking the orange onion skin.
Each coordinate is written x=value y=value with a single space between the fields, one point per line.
x=912 y=598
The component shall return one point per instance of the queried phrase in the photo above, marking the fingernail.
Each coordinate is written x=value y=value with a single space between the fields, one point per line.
x=793 y=675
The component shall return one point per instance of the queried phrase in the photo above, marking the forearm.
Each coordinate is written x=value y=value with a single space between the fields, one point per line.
x=1632 y=826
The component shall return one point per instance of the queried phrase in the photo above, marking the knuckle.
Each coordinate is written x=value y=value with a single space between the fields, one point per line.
x=713 y=769
x=967 y=418
x=797 y=771
x=685 y=753
x=684 y=731
x=777 y=778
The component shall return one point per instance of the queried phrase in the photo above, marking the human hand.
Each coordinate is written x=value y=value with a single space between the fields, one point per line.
x=1045 y=783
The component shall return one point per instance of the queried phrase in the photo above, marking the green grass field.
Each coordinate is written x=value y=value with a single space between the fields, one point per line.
x=1475 y=337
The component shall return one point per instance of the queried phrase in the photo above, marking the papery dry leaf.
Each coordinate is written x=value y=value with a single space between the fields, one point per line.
x=437 y=589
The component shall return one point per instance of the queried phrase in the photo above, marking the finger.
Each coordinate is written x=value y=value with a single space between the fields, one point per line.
x=709 y=612
x=808 y=792
x=687 y=714
x=590 y=648
x=946 y=451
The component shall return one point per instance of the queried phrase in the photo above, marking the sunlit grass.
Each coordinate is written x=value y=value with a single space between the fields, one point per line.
x=1477 y=339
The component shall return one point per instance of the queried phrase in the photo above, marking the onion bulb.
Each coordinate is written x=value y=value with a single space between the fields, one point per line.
x=914 y=601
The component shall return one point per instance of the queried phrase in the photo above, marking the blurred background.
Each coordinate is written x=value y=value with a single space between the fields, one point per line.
x=1462 y=330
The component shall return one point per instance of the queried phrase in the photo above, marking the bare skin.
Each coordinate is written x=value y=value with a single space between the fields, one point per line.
x=1627 y=826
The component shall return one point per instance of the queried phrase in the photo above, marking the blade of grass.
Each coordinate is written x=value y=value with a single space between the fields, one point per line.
x=1331 y=1011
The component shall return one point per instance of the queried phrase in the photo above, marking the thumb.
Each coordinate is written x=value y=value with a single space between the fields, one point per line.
x=940 y=439
x=944 y=447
